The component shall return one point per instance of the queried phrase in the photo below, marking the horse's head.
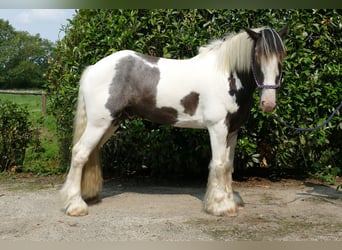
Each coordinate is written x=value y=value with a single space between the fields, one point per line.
x=267 y=56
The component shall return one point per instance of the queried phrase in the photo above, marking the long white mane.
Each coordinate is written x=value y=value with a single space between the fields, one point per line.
x=233 y=51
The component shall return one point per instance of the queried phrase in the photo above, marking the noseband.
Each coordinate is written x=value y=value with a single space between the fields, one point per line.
x=262 y=86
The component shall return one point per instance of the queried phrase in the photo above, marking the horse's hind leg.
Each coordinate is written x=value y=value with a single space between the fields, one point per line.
x=71 y=191
x=91 y=183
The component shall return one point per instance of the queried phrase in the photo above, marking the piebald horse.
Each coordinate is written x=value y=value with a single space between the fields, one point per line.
x=212 y=90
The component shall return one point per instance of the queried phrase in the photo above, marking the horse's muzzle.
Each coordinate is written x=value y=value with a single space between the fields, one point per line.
x=268 y=106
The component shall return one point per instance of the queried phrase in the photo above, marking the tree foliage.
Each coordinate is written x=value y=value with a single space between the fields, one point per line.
x=311 y=88
x=23 y=58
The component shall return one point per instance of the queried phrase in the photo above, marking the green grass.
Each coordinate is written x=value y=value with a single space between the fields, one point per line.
x=44 y=161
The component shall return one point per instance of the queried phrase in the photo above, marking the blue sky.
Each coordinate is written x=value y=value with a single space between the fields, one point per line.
x=46 y=22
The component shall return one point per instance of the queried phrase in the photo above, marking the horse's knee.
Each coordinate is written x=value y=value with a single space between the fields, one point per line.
x=79 y=156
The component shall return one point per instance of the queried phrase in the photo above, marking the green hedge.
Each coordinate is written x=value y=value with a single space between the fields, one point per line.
x=311 y=88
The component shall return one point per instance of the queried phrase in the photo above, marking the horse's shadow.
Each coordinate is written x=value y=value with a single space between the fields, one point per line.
x=113 y=188
x=322 y=191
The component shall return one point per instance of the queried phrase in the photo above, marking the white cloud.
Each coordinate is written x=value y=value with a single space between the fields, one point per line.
x=41 y=15
x=46 y=22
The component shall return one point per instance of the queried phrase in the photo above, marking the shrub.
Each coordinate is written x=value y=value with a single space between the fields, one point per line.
x=16 y=134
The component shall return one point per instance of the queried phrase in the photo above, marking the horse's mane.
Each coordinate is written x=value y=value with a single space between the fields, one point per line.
x=234 y=51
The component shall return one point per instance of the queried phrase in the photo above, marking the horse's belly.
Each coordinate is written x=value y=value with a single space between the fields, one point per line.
x=185 y=121
x=189 y=124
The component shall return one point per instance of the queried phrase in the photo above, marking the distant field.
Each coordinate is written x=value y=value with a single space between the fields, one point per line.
x=32 y=102
x=43 y=162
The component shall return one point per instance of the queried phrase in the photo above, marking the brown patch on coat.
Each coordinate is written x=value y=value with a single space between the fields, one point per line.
x=147 y=110
x=190 y=103
x=133 y=93
x=232 y=85
x=244 y=99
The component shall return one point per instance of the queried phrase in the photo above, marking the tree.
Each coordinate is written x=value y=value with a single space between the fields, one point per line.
x=24 y=61
x=7 y=35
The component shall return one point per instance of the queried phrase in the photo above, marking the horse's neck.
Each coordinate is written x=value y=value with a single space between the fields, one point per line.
x=244 y=99
x=247 y=81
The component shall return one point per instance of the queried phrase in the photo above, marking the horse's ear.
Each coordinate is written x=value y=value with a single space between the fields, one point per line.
x=282 y=33
x=252 y=34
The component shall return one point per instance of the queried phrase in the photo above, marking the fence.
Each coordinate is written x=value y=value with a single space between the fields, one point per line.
x=29 y=92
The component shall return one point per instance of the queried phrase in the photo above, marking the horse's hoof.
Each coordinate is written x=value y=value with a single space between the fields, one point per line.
x=223 y=208
x=231 y=213
x=77 y=209
x=77 y=212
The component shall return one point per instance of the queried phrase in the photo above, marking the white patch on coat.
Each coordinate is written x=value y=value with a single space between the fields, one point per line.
x=199 y=74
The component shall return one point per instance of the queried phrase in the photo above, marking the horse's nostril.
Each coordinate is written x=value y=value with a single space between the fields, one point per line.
x=268 y=106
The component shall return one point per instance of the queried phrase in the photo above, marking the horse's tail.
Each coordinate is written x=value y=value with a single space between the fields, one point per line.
x=91 y=182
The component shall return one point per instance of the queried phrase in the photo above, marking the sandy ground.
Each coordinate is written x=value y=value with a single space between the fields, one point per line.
x=30 y=209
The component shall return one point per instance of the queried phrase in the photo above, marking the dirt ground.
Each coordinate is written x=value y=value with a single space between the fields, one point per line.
x=287 y=210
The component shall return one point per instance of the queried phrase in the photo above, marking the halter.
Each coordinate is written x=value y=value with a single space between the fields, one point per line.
x=262 y=86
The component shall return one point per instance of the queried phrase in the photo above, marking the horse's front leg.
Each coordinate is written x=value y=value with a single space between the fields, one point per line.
x=220 y=198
